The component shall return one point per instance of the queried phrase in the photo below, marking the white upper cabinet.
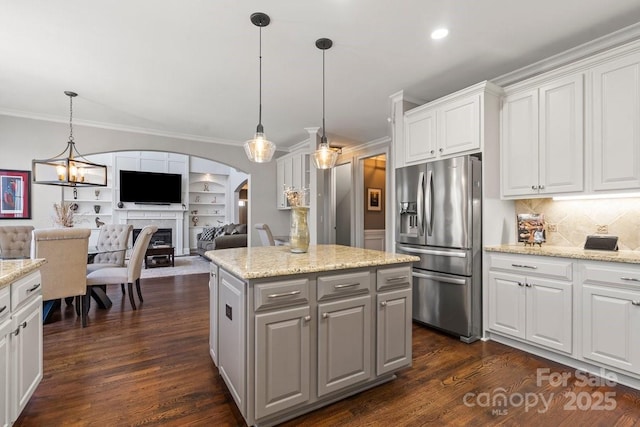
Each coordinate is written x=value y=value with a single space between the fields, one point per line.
x=420 y=135
x=615 y=150
x=459 y=126
x=542 y=138
x=451 y=125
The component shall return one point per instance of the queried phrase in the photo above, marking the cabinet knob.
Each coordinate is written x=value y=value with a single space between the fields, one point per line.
x=533 y=187
x=520 y=284
x=541 y=187
x=383 y=303
x=431 y=152
x=635 y=303
x=307 y=318
x=325 y=315
x=528 y=285
x=441 y=150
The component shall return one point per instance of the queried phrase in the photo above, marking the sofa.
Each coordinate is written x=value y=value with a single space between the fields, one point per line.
x=223 y=237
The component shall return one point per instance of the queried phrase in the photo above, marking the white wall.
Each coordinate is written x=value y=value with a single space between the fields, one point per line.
x=22 y=140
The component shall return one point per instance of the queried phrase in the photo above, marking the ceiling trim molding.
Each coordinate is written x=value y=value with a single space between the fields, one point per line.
x=122 y=128
x=582 y=51
x=384 y=141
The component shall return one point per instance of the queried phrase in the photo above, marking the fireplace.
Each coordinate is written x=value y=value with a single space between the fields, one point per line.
x=162 y=237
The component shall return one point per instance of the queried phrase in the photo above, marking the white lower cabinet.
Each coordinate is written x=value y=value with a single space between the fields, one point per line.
x=532 y=307
x=287 y=345
x=20 y=345
x=611 y=315
x=5 y=391
x=213 y=307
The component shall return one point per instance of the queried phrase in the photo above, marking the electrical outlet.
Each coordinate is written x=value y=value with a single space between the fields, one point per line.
x=552 y=227
x=602 y=229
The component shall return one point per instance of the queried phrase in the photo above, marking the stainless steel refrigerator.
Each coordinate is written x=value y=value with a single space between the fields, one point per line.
x=439 y=220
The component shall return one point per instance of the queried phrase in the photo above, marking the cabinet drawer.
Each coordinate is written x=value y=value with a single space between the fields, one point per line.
x=282 y=293
x=338 y=285
x=533 y=265
x=387 y=278
x=627 y=276
x=5 y=302
x=24 y=288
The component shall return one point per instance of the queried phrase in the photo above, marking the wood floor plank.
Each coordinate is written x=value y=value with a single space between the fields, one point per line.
x=152 y=367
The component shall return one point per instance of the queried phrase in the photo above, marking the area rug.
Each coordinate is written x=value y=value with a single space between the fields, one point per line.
x=183 y=265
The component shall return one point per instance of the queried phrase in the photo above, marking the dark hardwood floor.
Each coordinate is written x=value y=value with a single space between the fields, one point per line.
x=152 y=367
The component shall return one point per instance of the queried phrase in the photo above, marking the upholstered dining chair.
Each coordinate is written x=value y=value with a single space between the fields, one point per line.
x=130 y=273
x=111 y=246
x=265 y=235
x=65 y=272
x=15 y=241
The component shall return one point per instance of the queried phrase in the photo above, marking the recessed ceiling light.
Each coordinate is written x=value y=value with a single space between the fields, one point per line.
x=440 y=33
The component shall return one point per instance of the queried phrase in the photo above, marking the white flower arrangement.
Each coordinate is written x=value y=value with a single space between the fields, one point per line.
x=295 y=196
x=63 y=214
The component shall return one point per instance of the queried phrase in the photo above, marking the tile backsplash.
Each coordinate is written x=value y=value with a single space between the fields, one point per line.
x=570 y=221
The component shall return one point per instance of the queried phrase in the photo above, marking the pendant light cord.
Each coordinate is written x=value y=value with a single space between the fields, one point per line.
x=260 y=129
x=324 y=136
x=70 y=119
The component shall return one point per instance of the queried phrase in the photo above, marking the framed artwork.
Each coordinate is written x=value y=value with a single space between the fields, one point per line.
x=15 y=194
x=374 y=199
x=531 y=229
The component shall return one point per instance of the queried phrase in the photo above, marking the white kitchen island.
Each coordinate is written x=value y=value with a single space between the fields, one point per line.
x=293 y=332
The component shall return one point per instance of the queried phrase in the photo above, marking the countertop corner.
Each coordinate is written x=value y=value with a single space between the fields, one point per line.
x=13 y=269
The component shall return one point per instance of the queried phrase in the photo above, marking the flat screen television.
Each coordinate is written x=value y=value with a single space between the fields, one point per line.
x=152 y=188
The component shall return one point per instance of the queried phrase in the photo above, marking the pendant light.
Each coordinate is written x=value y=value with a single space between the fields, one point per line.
x=69 y=168
x=324 y=157
x=260 y=149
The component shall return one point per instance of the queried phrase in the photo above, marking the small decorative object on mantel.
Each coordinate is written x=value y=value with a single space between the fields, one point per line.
x=98 y=222
x=63 y=214
x=75 y=193
x=299 y=232
x=96 y=208
x=531 y=229
x=97 y=193
x=206 y=186
x=195 y=220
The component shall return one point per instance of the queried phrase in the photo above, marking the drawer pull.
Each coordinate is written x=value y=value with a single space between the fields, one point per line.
x=3 y=309
x=635 y=302
x=33 y=288
x=630 y=279
x=284 y=294
x=397 y=279
x=307 y=318
x=533 y=267
x=325 y=315
x=350 y=285
x=383 y=303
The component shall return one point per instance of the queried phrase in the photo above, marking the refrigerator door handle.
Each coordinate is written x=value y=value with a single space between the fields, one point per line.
x=453 y=254
x=420 y=204
x=439 y=278
x=429 y=209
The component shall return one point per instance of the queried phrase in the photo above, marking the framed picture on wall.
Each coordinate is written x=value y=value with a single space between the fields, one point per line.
x=531 y=229
x=374 y=199
x=15 y=194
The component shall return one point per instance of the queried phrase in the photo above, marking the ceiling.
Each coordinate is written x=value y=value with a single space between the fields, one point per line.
x=190 y=68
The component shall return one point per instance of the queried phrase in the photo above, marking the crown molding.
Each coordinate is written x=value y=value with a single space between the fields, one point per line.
x=584 y=50
x=376 y=143
x=121 y=128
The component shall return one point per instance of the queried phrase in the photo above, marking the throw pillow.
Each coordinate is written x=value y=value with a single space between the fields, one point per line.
x=207 y=234
x=228 y=229
x=241 y=228
x=219 y=231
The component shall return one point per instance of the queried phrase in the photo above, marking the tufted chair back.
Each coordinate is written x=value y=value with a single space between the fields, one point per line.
x=15 y=241
x=112 y=236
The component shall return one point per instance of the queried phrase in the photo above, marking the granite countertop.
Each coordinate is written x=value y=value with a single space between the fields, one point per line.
x=631 y=257
x=13 y=269
x=273 y=261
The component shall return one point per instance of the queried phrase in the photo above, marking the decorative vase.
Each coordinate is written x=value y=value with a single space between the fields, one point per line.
x=96 y=208
x=299 y=233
